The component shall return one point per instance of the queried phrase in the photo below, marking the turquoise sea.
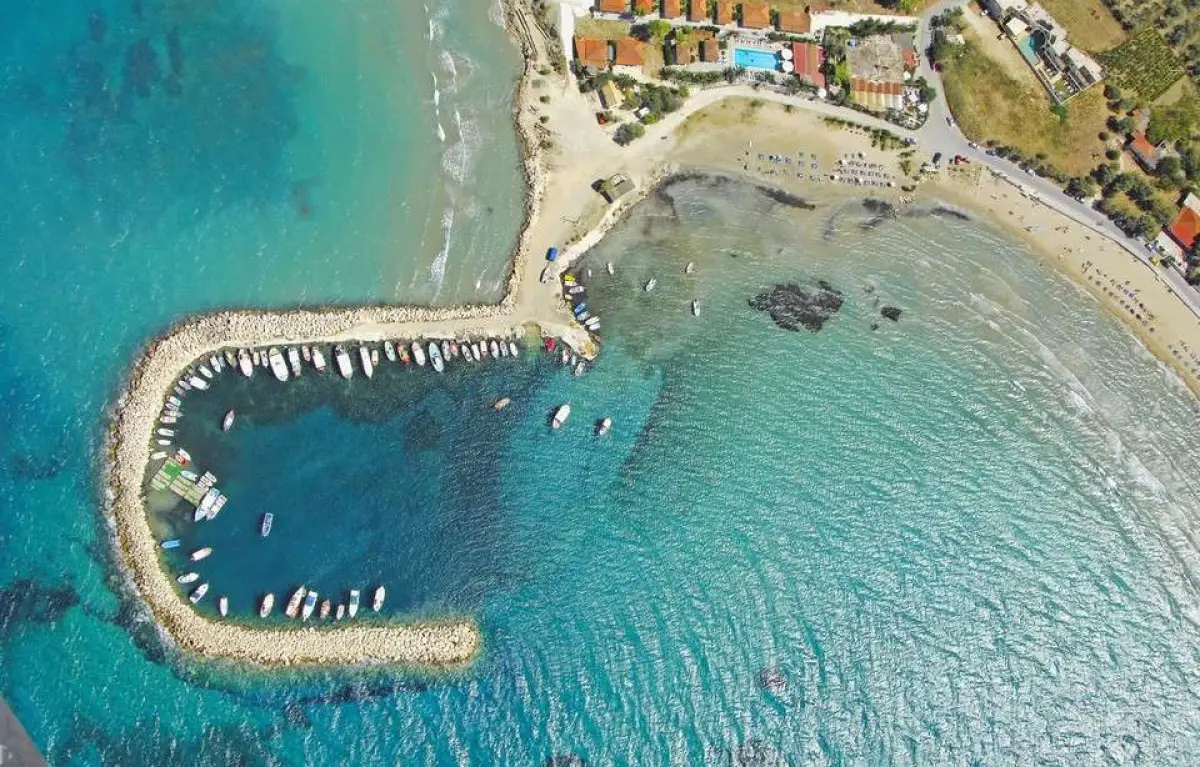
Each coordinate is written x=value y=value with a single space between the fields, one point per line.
x=964 y=537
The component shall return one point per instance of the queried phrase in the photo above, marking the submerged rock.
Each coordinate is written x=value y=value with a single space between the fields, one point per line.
x=27 y=601
x=772 y=679
x=565 y=760
x=793 y=306
x=891 y=312
x=756 y=753
x=879 y=207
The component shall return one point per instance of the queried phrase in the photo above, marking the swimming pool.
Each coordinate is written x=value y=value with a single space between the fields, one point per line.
x=754 y=59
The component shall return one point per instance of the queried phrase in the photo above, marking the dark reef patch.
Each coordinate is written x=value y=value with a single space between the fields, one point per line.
x=785 y=198
x=891 y=312
x=27 y=601
x=879 y=207
x=772 y=679
x=793 y=306
x=941 y=211
x=564 y=760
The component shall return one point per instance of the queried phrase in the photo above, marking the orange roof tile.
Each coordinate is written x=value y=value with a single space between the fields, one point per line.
x=756 y=15
x=795 y=22
x=684 y=54
x=724 y=12
x=613 y=6
x=591 y=52
x=910 y=58
x=710 y=51
x=807 y=58
x=643 y=7
x=1185 y=228
x=629 y=52
x=697 y=10
x=1141 y=145
x=671 y=9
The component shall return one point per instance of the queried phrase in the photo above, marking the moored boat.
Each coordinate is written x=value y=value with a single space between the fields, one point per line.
x=353 y=609
x=513 y=350
x=380 y=595
x=204 y=371
x=445 y=350
x=566 y=355
x=203 y=553
x=501 y=403
x=245 y=362
x=341 y=612
x=189 y=474
x=695 y=308
x=580 y=367
x=278 y=366
x=158 y=455
x=188 y=578
x=165 y=432
x=199 y=593
x=164 y=442
x=268 y=602
x=326 y=606
x=293 y=358
x=651 y=283
x=494 y=349
x=218 y=504
x=170 y=543
x=198 y=383
x=318 y=359
x=267 y=520
x=310 y=604
x=293 y=604
x=306 y=353
x=364 y=356
x=227 y=421
x=435 y=357
x=257 y=358
x=603 y=427
x=342 y=357
x=454 y=348
x=168 y=419
x=418 y=353
x=609 y=267
x=375 y=357
x=560 y=416
x=223 y=606
x=475 y=352
x=503 y=349
x=206 y=503
x=389 y=351
x=230 y=358
x=404 y=355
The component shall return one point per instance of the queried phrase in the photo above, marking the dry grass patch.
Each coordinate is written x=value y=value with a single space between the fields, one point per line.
x=604 y=29
x=991 y=104
x=1089 y=24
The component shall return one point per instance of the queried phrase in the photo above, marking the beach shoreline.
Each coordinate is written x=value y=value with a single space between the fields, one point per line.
x=563 y=153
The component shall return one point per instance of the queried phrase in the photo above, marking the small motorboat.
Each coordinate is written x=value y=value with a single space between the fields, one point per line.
x=380 y=595
x=204 y=371
x=198 y=383
x=165 y=432
x=454 y=348
x=158 y=456
x=256 y=358
x=479 y=350
x=318 y=359
x=267 y=520
x=342 y=358
x=293 y=358
x=402 y=352
x=364 y=356
x=445 y=349
x=580 y=367
x=375 y=357
x=551 y=344
x=566 y=356
x=310 y=604
x=576 y=290
x=513 y=350
x=389 y=351
x=203 y=553
x=341 y=613
x=169 y=544
x=189 y=474
x=494 y=349
x=560 y=416
x=609 y=267
x=695 y=308
x=435 y=357
x=278 y=366
x=199 y=593
x=293 y=604
x=188 y=578
x=651 y=284
x=503 y=349
x=245 y=362
x=227 y=421
x=326 y=606
x=353 y=609
x=168 y=420
x=230 y=358
x=603 y=427
x=268 y=602
x=418 y=353
x=223 y=606
x=306 y=353
x=501 y=403
x=690 y=268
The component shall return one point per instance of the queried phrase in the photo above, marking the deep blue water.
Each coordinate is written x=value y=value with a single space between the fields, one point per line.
x=962 y=538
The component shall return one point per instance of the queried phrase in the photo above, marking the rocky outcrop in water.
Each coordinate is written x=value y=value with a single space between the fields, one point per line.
x=891 y=312
x=793 y=306
x=771 y=679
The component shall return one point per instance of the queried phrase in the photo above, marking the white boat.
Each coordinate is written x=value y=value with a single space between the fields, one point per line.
x=690 y=268
x=494 y=349
x=227 y=421
x=231 y=358
x=223 y=606
x=293 y=358
x=168 y=419
x=501 y=403
x=326 y=606
x=435 y=357
x=199 y=593
x=318 y=359
x=203 y=553
x=503 y=349
x=215 y=363
x=695 y=308
x=341 y=613
x=267 y=520
x=364 y=356
x=198 y=383
x=256 y=358
x=609 y=267
x=475 y=352
x=165 y=432
x=204 y=371
x=580 y=367
x=183 y=384
x=374 y=356
x=158 y=456
x=268 y=602
x=418 y=353
x=278 y=366
x=445 y=349
x=389 y=351
x=513 y=350
x=306 y=353
x=188 y=578
x=175 y=401
x=650 y=284
x=566 y=355
x=310 y=604
x=380 y=595
x=576 y=290
x=560 y=416
x=592 y=324
x=604 y=426
x=342 y=358
x=294 y=603
x=206 y=504
x=188 y=474
x=353 y=609
x=217 y=506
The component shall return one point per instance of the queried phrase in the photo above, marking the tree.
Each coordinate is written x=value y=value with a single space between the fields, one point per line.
x=1104 y=174
x=1112 y=92
x=658 y=30
x=1080 y=187
x=1170 y=171
x=1112 y=154
x=626 y=133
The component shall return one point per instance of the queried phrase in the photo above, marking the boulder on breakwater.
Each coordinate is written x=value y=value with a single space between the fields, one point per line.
x=793 y=306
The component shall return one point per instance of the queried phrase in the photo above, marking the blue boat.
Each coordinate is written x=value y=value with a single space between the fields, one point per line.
x=171 y=544
x=580 y=309
x=551 y=254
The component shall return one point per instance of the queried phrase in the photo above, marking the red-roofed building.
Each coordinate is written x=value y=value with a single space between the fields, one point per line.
x=629 y=53
x=591 y=52
x=671 y=9
x=876 y=96
x=795 y=22
x=643 y=7
x=613 y=6
x=756 y=15
x=697 y=10
x=710 y=51
x=724 y=12
x=808 y=58
x=1146 y=154
x=1186 y=227
x=683 y=54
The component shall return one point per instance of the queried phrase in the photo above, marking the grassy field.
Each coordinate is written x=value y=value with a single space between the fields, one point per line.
x=1089 y=24
x=1144 y=63
x=991 y=104
x=603 y=29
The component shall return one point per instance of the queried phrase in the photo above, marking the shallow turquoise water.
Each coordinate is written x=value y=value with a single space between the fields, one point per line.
x=963 y=538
